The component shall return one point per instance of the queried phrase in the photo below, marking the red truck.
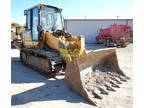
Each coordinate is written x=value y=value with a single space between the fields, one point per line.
x=115 y=35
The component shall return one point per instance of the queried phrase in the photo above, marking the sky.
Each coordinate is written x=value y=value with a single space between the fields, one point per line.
x=77 y=9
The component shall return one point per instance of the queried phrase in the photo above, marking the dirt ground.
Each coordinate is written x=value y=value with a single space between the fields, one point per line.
x=32 y=90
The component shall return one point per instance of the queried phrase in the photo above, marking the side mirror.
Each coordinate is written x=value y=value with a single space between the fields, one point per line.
x=25 y=12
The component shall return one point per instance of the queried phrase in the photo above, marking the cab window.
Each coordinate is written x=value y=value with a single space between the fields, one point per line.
x=28 y=20
x=34 y=24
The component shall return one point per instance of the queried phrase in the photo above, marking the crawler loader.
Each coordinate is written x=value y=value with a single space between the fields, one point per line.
x=49 y=48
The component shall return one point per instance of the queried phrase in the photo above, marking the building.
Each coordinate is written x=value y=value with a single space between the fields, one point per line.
x=90 y=27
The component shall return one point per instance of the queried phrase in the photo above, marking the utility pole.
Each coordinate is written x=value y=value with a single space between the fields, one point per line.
x=85 y=17
x=117 y=19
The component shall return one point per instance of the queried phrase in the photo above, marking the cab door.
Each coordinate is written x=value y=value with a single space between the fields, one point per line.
x=35 y=23
x=30 y=36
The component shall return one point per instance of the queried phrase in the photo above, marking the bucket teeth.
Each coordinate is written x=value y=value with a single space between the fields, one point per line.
x=128 y=78
x=109 y=88
x=122 y=79
x=103 y=91
x=113 y=84
x=96 y=95
x=116 y=80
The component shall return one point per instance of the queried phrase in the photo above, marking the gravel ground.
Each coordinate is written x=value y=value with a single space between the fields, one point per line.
x=32 y=90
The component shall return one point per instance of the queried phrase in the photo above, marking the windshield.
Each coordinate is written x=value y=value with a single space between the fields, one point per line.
x=51 y=19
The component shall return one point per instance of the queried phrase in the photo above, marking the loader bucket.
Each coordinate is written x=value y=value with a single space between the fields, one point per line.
x=82 y=73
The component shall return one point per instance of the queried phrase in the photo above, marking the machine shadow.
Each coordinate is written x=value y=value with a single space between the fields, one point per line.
x=23 y=74
x=55 y=89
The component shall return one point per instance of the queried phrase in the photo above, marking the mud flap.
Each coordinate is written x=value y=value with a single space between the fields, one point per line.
x=83 y=67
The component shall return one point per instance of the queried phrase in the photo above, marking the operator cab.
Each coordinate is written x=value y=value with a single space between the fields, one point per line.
x=43 y=17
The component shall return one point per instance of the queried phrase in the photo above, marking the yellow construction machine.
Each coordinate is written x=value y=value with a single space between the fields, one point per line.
x=49 y=48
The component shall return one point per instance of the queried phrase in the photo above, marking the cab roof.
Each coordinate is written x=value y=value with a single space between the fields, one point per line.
x=43 y=5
